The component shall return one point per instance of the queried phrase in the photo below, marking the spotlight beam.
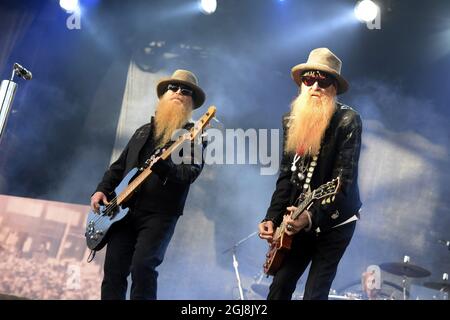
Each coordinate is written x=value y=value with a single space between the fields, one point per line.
x=366 y=10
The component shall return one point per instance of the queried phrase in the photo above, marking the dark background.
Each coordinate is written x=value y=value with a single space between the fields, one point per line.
x=62 y=128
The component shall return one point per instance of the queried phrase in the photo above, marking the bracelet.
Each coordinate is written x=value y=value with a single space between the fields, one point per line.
x=309 y=220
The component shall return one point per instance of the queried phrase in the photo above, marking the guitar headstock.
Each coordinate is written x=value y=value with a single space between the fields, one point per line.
x=201 y=123
x=327 y=190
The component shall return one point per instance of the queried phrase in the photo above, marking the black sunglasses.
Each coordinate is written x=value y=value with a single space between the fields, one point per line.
x=185 y=91
x=322 y=82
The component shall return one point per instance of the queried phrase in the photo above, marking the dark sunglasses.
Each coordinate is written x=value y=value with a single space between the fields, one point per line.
x=185 y=91
x=322 y=82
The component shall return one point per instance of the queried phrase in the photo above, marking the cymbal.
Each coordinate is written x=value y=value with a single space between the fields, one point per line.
x=261 y=289
x=405 y=269
x=441 y=286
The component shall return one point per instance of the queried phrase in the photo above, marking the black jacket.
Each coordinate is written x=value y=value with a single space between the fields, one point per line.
x=167 y=187
x=339 y=156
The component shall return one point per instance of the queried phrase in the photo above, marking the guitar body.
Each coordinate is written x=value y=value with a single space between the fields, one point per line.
x=98 y=224
x=282 y=242
x=277 y=250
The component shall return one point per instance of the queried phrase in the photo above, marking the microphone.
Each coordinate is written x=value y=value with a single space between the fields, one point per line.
x=22 y=72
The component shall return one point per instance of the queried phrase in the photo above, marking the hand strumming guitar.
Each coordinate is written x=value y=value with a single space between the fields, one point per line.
x=96 y=199
x=266 y=229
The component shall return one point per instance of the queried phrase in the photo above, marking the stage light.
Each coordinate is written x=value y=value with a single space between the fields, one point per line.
x=208 y=6
x=69 y=5
x=366 y=10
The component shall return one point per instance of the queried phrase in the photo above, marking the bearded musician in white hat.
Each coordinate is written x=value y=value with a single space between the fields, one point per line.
x=322 y=141
x=138 y=243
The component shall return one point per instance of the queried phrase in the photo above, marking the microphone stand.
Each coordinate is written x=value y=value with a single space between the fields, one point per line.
x=7 y=91
x=235 y=262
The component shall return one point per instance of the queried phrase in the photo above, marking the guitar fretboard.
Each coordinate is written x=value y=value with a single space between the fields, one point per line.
x=302 y=206
x=198 y=127
x=125 y=195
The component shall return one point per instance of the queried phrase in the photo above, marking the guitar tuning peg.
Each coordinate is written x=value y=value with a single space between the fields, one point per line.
x=332 y=199
x=328 y=200
x=323 y=201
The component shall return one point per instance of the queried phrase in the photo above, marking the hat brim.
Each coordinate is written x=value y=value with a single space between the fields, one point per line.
x=199 y=95
x=297 y=71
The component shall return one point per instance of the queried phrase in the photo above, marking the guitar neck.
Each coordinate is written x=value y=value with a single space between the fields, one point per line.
x=302 y=206
x=326 y=190
x=280 y=230
x=193 y=134
x=128 y=191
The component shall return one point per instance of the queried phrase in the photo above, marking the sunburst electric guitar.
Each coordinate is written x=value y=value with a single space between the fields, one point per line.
x=281 y=242
x=98 y=224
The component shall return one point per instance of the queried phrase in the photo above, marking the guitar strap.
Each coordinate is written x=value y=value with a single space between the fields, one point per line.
x=158 y=148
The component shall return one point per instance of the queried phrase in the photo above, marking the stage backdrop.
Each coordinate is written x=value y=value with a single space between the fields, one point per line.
x=43 y=252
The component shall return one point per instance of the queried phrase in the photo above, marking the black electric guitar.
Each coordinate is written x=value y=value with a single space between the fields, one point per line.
x=281 y=242
x=98 y=224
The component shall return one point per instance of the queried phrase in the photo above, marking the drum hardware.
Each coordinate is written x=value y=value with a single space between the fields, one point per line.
x=405 y=270
x=442 y=286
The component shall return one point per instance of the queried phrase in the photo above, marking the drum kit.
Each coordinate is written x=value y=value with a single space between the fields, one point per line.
x=388 y=290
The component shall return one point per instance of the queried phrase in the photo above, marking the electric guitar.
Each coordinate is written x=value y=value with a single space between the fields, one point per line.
x=98 y=224
x=281 y=242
